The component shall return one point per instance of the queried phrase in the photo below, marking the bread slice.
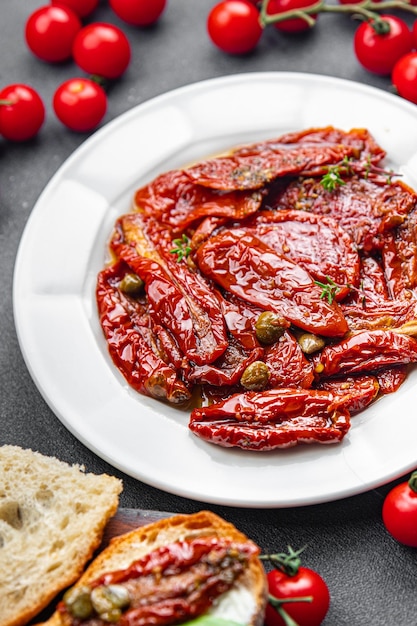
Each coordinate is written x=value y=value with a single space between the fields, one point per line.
x=244 y=603
x=52 y=517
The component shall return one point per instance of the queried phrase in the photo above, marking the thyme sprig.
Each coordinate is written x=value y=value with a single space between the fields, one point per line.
x=332 y=179
x=329 y=289
x=181 y=248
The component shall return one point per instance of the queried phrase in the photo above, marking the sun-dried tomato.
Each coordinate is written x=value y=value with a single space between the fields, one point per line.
x=193 y=316
x=256 y=169
x=241 y=264
x=367 y=351
x=316 y=243
x=276 y=418
x=287 y=364
x=355 y=392
x=133 y=345
x=365 y=209
x=399 y=255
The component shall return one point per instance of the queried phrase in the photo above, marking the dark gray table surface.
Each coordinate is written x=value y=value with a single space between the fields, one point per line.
x=372 y=579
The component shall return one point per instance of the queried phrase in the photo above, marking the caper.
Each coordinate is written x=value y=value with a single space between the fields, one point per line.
x=78 y=602
x=310 y=343
x=256 y=376
x=107 y=598
x=270 y=326
x=131 y=285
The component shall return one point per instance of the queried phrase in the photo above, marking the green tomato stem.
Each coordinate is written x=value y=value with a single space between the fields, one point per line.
x=366 y=9
x=287 y=619
x=278 y=602
x=100 y=80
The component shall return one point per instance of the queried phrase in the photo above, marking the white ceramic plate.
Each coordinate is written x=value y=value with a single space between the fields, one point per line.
x=64 y=247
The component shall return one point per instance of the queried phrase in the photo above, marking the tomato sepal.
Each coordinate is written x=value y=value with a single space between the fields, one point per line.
x=412 y=481
x=287 y=562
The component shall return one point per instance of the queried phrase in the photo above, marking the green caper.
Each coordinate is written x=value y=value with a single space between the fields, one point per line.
x=256 y=376
x=270 y=326
x=107 y=598
x=310 y=343
x=131 y=285
x=78 y=602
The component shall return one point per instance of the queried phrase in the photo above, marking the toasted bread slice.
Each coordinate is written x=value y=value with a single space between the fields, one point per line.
x=243 y=603
x=52 y=518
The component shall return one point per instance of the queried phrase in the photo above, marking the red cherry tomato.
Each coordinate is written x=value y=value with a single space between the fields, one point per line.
x=82 y=8
x=399 y=512
x=50 y=32
x=80 y=104
x=234 y=27
x=138 y=12
x=295 y=25
x=102 y=49
x=378 y=52
x=22 y=112
x=404 y=77
x=307 y=585
x=296 y=594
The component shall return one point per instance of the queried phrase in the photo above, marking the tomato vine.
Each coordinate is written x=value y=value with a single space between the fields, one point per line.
x=367 y=9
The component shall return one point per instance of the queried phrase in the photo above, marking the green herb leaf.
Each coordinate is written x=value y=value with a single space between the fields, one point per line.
x=182 y=247
x=332 y=179
x=329 y=289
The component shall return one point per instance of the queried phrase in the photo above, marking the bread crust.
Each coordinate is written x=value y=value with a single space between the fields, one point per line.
x=52 y=519
x=125 y=549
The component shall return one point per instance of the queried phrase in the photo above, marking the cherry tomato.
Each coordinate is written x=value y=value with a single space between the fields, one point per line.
x=82 y=8
x=80 y=104
x=22 y=112
x=234 y=27
x=404 y=77
x=138 y=12
x=414 y=28
x=50 y=32
x=295 y=593
x=102 y=49
x=399 y=512
x=378 y=51
x=295 y=25
x=307 y=585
